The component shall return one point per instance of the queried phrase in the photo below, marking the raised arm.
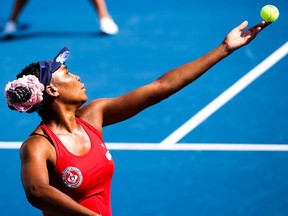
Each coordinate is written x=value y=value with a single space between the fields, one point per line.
x=35 y=154
x=126 y=106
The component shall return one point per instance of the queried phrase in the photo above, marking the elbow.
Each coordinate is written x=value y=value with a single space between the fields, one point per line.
x=163 y=90
x=34 y=194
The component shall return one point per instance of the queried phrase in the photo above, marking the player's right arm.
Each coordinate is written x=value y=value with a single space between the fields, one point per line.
x=35 y=153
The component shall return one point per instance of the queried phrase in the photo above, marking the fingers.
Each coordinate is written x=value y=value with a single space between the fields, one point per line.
x=264 y=24
x=253 y=31
x=261 y=25
x=257 y=27
x=243 y=25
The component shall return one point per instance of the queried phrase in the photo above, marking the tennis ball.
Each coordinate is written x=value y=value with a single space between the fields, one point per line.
x=269 y=13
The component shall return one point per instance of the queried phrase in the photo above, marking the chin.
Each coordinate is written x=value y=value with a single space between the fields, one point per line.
x=84 y=100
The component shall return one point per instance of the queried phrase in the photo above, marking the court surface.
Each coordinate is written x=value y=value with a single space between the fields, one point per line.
x=218 y=147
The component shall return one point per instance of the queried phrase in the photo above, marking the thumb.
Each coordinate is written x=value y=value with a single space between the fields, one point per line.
x=243 y=25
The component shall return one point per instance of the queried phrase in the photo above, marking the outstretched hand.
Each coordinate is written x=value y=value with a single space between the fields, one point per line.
x=239 y=37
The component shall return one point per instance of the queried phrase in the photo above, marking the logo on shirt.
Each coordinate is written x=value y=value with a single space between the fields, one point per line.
x=108 y=156
x=72 y=177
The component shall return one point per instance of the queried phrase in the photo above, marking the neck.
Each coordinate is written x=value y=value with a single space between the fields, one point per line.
x=60 y=119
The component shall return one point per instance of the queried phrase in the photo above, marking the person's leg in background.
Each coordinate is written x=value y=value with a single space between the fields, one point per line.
x=10 y=28
x=106 y=22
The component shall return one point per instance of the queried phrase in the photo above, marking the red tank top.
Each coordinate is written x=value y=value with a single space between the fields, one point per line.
x=86 y=178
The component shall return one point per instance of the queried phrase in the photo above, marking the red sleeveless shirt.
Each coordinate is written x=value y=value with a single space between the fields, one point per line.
x=86 y=178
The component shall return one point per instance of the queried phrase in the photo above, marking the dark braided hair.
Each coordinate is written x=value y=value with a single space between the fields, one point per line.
x=19 y=94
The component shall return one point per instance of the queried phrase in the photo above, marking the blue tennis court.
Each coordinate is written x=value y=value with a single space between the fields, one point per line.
x=218 y=147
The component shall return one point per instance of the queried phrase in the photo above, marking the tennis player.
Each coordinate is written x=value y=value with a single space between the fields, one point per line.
x=66 y=168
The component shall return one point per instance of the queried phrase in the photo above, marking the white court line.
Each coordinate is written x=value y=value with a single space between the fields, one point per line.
x=198 y=147
x=227 y=95
x=179 y=147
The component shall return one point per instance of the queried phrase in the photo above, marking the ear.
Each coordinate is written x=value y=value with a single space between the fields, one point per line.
x=52 y=90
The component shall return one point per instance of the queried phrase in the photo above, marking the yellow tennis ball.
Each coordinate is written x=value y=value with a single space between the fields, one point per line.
x=269 y=13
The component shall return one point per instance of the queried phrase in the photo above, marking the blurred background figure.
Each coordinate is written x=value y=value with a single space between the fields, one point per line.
x=106 y=22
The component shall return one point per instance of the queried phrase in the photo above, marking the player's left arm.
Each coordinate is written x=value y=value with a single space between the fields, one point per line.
x=118 y=109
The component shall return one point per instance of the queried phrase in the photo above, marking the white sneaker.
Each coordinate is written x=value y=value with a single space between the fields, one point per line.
x=108 y=26
x=10 y=29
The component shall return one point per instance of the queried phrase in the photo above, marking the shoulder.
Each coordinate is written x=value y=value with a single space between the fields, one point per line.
x=37 y=145
x=95 y=105
x=93 y=112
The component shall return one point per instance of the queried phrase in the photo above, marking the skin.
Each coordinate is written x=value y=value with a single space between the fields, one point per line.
x=67 y=95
